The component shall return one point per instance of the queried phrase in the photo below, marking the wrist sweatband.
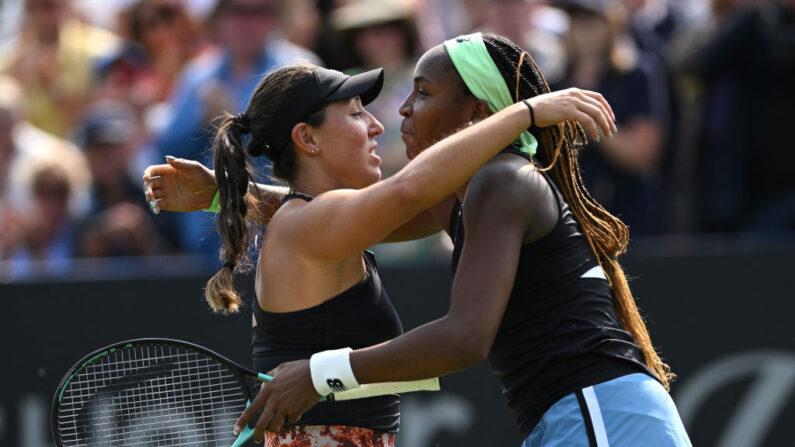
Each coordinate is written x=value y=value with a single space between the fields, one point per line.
x=215 y=206
x=331 y=371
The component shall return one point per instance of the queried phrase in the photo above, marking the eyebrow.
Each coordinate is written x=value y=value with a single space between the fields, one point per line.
x=421 y=79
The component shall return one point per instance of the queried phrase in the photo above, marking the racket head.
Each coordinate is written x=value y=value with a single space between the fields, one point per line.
x=150 y=391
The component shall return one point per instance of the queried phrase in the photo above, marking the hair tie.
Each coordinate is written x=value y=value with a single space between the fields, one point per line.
x=229 y=265
x=242 y=122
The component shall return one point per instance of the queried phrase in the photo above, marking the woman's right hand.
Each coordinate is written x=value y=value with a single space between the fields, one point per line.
x=180 y=185
x=588 y=108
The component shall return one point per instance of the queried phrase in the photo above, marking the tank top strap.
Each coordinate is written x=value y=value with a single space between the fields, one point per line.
x=295 y=195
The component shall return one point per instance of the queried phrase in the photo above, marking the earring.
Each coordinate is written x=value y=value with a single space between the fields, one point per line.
x=470 y=123
x=315 y=150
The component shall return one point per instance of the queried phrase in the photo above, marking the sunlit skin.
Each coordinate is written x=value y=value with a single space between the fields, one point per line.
x=344 y=149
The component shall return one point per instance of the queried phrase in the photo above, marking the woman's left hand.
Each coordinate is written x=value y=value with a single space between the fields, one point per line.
x=287 y=396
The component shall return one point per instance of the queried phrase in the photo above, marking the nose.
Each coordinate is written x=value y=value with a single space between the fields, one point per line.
x=406 y=109
x=376 y=128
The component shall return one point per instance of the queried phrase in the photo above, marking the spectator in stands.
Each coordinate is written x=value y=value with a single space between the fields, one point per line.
x=169 y=36
x=52 y=59
x=222 y=80
x=623 y=172
x=22 y=147
x=41 y=242
x=741 y=65
x=118 y=223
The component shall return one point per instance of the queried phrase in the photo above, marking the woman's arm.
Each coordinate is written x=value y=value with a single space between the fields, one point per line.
x=496 y=224
x=341 y=223
x=186 y=185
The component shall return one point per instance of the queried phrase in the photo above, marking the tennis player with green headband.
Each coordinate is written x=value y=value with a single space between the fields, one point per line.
x=537 y=288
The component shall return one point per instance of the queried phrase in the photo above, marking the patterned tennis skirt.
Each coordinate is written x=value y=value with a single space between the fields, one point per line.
x=328 y=436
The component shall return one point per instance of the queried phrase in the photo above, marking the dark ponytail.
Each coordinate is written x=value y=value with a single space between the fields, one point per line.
x=558 y=146
x=233 y=176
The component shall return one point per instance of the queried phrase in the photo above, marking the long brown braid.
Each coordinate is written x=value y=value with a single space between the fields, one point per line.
x=557 y=150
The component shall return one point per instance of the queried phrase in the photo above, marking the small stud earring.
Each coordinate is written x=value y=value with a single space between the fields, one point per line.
x=470 y=123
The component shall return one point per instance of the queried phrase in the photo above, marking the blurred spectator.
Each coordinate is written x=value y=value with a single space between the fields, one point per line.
x=222 y=80
x=738 y=69
x=41 y=241
x=534 y=26
x=302 y=22
x=22 y=145
x=169 y=37
x=52 y=59
x=118 y=223
x=382 y=34
x=621 y=172
x=653 y=23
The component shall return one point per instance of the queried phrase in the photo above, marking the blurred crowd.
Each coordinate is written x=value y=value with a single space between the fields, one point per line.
x=92 y=91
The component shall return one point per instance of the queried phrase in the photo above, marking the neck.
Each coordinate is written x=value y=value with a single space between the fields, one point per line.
x=312 y=188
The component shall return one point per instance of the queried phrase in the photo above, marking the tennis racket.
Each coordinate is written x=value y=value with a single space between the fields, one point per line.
x=163 y=392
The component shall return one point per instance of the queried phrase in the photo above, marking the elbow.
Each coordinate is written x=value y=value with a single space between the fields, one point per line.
x=470 y=346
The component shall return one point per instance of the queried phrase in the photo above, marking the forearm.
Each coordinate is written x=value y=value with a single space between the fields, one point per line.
x=434 y=349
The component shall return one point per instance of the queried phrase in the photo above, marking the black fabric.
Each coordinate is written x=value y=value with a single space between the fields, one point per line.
x=586 y=416
x=359 y=317
x=559 y=332
x=295 y=195
x=324 y=86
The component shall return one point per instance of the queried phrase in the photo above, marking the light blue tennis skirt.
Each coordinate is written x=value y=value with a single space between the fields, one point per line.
x=632 y=410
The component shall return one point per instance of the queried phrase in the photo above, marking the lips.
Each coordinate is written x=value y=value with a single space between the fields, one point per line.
x=372 y=152
x=404 y=128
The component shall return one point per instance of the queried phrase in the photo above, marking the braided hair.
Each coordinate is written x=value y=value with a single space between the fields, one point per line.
x=271 y=96
x=558 y=146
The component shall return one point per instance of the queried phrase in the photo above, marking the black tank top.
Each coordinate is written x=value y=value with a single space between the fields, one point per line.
x=560 y=332
x=358 y=317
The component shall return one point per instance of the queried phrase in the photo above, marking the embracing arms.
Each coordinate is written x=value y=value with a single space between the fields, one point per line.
x=496 y=225
x=341 y=222
x=187 y=185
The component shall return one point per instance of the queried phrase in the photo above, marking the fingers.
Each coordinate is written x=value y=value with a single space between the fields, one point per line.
x=270 y=420
x=588 y=123
x=153 y=189
x=262 y=423
x=599 y=114
x=251 y=410
x=601 y=99
x=178 y=163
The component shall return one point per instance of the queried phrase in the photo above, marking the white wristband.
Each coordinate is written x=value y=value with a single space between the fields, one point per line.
x=331 y=371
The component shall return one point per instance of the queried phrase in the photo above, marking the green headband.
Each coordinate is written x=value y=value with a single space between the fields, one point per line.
x=484 y=80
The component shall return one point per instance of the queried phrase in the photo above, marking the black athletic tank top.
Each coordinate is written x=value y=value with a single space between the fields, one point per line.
x=358 y=317
x=560 y=332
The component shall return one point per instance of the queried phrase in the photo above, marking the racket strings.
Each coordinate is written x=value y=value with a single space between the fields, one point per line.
x=151 y=396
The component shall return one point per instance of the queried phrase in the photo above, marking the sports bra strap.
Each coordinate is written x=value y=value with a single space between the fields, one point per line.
x=295 y=195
